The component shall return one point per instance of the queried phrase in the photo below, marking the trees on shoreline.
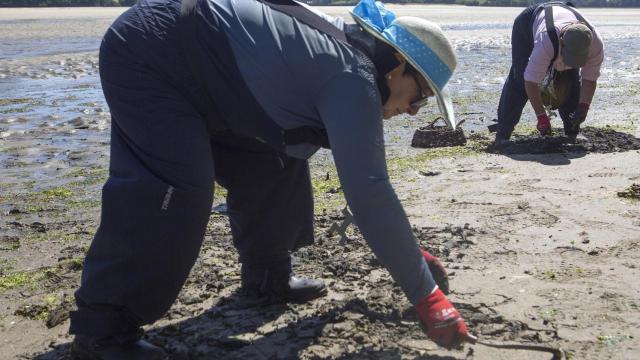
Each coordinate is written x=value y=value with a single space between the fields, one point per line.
x=520 y=3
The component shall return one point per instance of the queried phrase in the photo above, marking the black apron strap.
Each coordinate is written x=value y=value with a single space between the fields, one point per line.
x=301 y=13
x=551 y=30
x=569 y=6
x=307 y=135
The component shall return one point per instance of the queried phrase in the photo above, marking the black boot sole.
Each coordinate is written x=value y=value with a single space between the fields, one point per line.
x=308 y=296
x=79 y=354
x=278 y=297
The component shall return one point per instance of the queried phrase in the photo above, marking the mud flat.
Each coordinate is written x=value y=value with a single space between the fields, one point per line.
x=540 y=246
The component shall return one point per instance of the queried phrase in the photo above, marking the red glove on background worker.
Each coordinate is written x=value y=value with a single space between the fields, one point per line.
x=442 y=322
x=579 y=116
x=544 y=125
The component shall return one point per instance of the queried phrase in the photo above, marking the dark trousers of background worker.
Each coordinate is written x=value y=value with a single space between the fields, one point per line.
x=157 y=199
x=514 y=97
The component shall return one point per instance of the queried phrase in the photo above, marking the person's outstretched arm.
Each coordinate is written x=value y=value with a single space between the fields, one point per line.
x=351 y=111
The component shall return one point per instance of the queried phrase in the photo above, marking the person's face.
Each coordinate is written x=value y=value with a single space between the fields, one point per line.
x=407 y=92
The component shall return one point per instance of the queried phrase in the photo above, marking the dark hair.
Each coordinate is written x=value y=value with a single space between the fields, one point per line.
x=385 y=60
x=410 y=70
x=384 y=57
x=381 y=54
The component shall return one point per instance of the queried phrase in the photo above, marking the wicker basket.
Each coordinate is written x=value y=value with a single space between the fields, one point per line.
x=557 y=91
x=433 y=136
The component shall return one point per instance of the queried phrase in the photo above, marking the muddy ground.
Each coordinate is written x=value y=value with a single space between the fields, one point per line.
x=541 y=238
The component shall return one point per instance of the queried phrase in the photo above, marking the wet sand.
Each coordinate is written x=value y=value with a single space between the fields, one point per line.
x=540 y=246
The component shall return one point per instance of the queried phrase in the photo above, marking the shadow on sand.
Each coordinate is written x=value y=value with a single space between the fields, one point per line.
x=241 y=327
x=559 y=150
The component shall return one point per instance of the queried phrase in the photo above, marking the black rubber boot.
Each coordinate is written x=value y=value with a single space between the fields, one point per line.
x=276 y=280
x=501 y=142
x=86 y=348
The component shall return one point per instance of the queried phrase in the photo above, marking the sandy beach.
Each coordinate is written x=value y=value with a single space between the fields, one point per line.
x=542 y=239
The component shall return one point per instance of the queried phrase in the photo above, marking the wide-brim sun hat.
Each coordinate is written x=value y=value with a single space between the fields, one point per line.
x=421 y=42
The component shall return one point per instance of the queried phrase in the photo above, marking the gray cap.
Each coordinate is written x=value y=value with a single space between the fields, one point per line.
x=576 y=40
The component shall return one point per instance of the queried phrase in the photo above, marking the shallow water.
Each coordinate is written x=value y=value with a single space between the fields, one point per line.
x=25 y=48
x=52 y=108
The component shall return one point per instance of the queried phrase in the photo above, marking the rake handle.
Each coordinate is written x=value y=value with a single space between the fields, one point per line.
x=558 y=354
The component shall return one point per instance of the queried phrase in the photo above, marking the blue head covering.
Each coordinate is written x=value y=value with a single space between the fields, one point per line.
x=420 y=41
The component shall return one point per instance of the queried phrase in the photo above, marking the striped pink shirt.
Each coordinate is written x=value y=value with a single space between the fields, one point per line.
x=543 y=49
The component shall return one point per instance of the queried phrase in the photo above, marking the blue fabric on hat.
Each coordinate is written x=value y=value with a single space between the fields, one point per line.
x=374 y=13
x=421 y=54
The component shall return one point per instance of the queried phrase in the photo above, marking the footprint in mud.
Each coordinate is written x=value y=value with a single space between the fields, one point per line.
x=624 y=247
x=543 y=218
x=449 y=243
x=603 y=175
x=8 y=242
x=528 y=185
x=464 y=209
x=464 y=205
x=566 y=273
x=485 y=322
x=525 y=182
x=525 y=214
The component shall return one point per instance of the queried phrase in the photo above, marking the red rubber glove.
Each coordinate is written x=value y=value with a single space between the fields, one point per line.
x=442 y=322
x=438 y=271
x=544 y=125
x=581 y=112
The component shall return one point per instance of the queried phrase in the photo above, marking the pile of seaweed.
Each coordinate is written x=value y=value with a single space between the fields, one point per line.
x=632 y=192
x=590 y=140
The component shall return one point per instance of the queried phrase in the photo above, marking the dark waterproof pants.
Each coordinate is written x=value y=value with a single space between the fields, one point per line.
x=157 y=199
x=514 y=97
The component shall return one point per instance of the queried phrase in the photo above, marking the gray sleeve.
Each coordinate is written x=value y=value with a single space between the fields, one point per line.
x=350 y=110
